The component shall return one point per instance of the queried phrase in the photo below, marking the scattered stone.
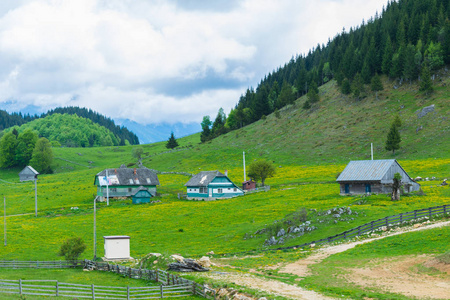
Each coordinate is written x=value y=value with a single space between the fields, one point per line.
x=444 y=182
x=204 y=262
x=155 y=262
x=418 y=178
x=188 y=265
x=281 y=232
x=154 y=254
x=312 y=245
x=178 y=258
x=425 y=111
x=417 y=225
x=210 y=253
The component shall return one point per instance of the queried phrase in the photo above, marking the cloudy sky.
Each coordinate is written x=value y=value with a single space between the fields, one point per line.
x=156 y=61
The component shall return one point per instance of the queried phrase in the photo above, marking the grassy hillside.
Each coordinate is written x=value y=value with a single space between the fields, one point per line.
x=309 y=148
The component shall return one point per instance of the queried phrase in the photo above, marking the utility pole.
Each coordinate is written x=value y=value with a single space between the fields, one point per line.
x=35 y=197
x=243 y=154
x=107 y=188
x=4 y=216
x=95 y=229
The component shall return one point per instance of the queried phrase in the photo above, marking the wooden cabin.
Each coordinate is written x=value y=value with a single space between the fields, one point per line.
x=28 y=174
x=373 y=176
x=248 y=185
x=211 y=185
x=125 y=182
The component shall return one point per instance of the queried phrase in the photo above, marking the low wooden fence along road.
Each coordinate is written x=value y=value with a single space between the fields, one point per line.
x=171 y=285
x=395 y=220
x=13 y=264
x=61 y=289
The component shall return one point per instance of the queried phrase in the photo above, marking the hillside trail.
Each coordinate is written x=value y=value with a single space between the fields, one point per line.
x=301 y=268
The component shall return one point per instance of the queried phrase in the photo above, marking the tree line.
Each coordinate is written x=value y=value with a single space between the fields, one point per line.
x=122 y=133
x=406 y=42
x=70 y=131
x=25 y=148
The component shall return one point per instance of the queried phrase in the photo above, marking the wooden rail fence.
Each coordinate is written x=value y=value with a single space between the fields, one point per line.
x=163 y=277
x=395 y=220
x=61 y=289
x=13 y=264
x=171 y=285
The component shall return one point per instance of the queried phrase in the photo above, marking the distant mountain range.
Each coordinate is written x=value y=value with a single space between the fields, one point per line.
x=158 y=132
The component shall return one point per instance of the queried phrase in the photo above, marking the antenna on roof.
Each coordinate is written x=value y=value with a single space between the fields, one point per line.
x=371 y=150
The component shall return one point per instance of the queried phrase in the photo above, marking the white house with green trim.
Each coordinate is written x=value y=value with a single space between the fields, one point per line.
x=125 y=182
x=211 y=185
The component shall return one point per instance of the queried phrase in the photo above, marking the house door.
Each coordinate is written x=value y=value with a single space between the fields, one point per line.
x=347 y=188
x=210 y=192
x=368 y=189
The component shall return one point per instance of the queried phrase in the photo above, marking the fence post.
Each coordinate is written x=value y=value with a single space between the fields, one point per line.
x=156 y=275
x=429 y=212
x=371 y=226
x=193 y=288
x=387 y=221
x=20 y=287
x=401 y=218
x=444 y=209
x=128 y=292
x=93 y=292
x=162 y=291
x=57 y=288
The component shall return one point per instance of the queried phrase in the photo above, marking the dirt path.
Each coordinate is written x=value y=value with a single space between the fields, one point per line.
x=300 y=268
x=270 y=286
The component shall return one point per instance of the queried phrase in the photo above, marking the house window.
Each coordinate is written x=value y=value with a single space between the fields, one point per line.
x=129 y=190
x=235 y=189
x=229 y=189
x=220 y=191
x=203 y=190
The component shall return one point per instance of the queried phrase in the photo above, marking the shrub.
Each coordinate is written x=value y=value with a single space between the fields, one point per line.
x=72 y=248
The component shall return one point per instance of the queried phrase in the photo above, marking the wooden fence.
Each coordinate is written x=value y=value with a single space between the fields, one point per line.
x=171 y=285
x=163 y=277
x=61 y=289
x=395 y=220
x=13 y=264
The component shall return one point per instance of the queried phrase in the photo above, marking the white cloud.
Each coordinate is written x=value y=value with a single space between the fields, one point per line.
x=112 y=55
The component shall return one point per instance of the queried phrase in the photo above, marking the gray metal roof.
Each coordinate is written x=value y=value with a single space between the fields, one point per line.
x=127 y=176
x=203 y=178
x=366 y=170
x=29 y=170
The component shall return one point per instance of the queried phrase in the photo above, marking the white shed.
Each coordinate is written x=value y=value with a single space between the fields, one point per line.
x=117 y=247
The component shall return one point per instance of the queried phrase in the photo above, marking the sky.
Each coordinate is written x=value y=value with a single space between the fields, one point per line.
x=156 y=61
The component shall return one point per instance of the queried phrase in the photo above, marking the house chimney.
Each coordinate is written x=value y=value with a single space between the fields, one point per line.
x=134 y=171
x=115 y=171
x=226 y=172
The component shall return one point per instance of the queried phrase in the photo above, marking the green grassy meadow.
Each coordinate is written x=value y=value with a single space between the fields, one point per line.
x=309 y=149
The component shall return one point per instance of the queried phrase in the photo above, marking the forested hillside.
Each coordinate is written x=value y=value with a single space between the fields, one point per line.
x=408 y=41
x=122 y=133
x=71 y=131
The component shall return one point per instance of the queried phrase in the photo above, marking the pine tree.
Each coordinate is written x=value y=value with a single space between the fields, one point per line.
x=393 y=139
x=346 y=88
x=172 y=142
x=376 y=85
x=426 y=85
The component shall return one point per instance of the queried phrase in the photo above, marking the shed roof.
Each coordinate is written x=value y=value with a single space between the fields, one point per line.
x=28 y=170
x=204 y=178
x=126 y=176
x=366 y=170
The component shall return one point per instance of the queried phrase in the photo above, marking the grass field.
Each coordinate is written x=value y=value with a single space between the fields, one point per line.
x=309 y=149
